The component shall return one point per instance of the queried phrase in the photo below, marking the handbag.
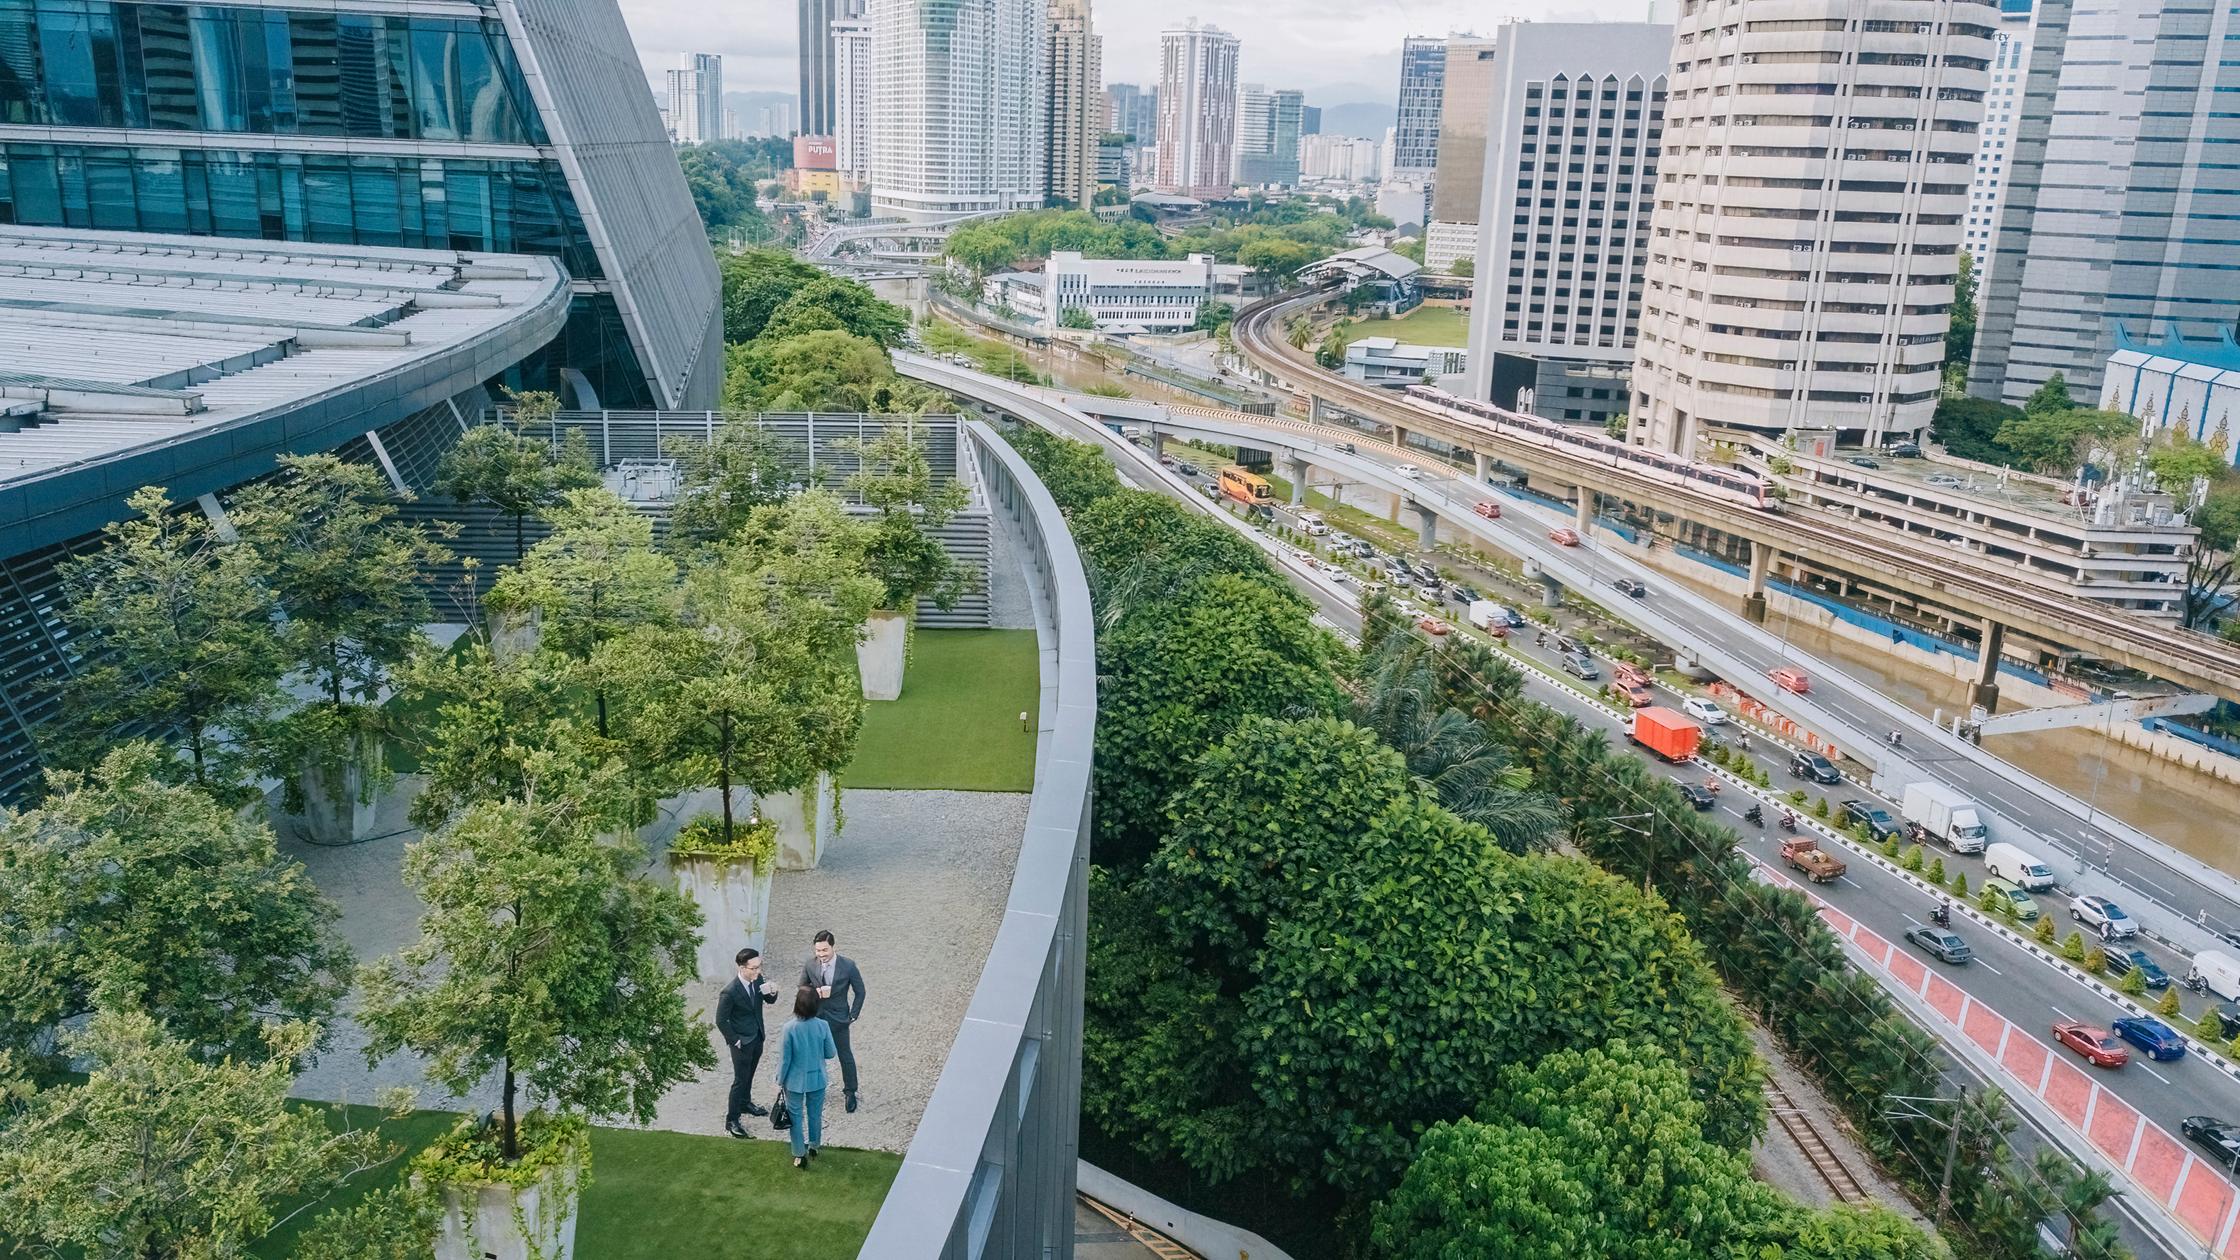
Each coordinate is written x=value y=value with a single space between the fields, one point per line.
x=781 y=1116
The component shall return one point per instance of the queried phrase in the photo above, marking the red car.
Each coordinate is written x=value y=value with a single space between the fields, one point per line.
x=1790 y=678
x=1490 y=511
x=1433 y=626
x=1639 y=696
x=1564 y=536
x=2097 y=1045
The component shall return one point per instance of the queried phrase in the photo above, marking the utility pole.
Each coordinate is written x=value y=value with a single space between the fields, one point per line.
x=1909 y=1108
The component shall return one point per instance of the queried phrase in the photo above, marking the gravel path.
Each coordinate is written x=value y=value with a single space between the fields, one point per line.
x=914 y=889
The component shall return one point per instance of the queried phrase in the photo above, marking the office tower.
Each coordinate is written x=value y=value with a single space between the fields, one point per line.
x=1809 y=203
x=1310 y=120
x=2116 y=200
x=1132 y=111
x=1267 y=149
x=696 y=99
x=1465 y=100
x=819 y=78
x=1112 y=161
x=775 y=119
x=1994 y=144
x=1197 y=110
x=958 y=107
x=1074 y=119
x=1568 y=179
x=853 y=74
x=579 y=169
x=1423 y=72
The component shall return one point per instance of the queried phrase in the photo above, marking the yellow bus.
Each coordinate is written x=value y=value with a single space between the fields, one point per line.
x=1245 y=486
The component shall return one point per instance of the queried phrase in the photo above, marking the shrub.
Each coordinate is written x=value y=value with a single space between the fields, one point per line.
x=1960 y=884
x=1862 y=833
x=1890 y=848
x=1796 y=796
x=2208 y=1028
x=1936 y=872
x=1820 y=808
x=2134 y=982
x=2170 y=1007
x=2045 y=930
x=2073 y=948
x=2230 y=1048
x=1912 y=861
x=1989 y=900
x=2095 y=962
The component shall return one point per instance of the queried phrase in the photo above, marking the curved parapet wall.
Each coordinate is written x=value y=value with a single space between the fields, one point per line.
x=991 y=1172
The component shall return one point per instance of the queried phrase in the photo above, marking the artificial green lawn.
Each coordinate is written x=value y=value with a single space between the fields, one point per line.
x=655 y=1195
x=1424 y=326
x=957 y=723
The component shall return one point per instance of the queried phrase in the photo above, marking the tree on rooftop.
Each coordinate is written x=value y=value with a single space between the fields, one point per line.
x=543 y=955
x=127 y=890
x=722 y=481
x=895 y=479
x=832 y=302
x=177 y=636
x=158 y=1155
x=516 y=473
x=2056 y=441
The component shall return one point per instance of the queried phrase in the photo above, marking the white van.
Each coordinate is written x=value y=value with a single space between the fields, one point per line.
x=2217 y=972
x=2011 y=864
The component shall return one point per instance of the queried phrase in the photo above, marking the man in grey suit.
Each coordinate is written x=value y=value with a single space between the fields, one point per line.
x=839 y=989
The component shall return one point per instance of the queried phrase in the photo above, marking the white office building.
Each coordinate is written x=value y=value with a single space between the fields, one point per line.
x=2118 y=209
x=696 y=99
x=1987 y=196
x=1118 y=294
x=1574 y=119
x=1815 y=172
x=958 y=106
x=1394 y=364
x=853 y=77
x=1423 y=76
x=1197 y=111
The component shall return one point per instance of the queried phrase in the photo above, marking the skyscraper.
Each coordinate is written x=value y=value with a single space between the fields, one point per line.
x=1310 y=120
x=1132 y=111
x=1808 y=220
x=959 y=106
x=1465 y=105
x=2118 y=194
x=818 y=81
x=1267 y=150
x=1197 y=110
x=1075 y=114
x=853 y=74
x=1423 y=75
x=527 y=128
x=1568 y=172
x=696 y=99
x=2010 y=56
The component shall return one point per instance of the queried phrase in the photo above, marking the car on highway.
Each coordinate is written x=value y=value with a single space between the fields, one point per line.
x=1697 y=795
x=1462 y=594
x=1167 y=461
x=1705 y=711
x=1945 y=944
x=1489 y=510
x=1903 y=450
x=1806 y=764
x=2221 y=1138
x=2098 y=1046
x=1515 y=618
x=1944 y=480
x=2160 y=1041
x=2103 y=916
x=1564 y=536
x=1408 y=470
x=1433 y=626
x=1346 y=448
x=1364 y=551
x=1639 y=695
x=2025 y=906
x=1627 y=586
x=1790 y=678
x=2122 y=961
x=1862 y=461
x=1581 y=666
x=1186 y=468
x=1880 y=822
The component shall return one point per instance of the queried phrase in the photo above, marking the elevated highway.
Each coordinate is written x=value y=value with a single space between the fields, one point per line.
x=1996 y=598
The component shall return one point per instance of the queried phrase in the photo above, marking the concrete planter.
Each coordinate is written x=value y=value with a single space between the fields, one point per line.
x=734 y=901
x=881 y=654
x=808 y=820
x=339 y=807
x=505 y=1222
x=515 y=633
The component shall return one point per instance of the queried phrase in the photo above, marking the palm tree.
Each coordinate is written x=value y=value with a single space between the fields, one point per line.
x=1450 y=754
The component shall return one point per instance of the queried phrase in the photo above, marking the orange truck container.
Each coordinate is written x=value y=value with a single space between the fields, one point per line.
x=1666 y=733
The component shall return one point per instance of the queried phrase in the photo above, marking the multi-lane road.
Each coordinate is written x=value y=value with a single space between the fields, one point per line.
x=2009 y=976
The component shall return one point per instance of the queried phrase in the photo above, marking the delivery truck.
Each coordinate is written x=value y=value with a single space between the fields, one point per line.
x=1664 y=732
x=1943 y=815
x=1810 y=860
x=1489 y=616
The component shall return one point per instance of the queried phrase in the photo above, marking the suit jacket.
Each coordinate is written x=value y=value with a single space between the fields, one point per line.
x=802 y=1049
x=846 y=1001
x=739 y=1011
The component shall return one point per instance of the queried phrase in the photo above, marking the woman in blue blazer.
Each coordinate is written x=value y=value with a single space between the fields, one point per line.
x=802 y=1049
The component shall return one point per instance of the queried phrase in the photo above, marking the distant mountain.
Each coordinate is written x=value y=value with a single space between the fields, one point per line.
x=1359 y=118
x=747 y=107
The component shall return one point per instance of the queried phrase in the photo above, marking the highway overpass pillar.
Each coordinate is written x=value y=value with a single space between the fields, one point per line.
x=1583 y=513
x=1296 y=470
x=1399 y=436
x=1986 y=691
x=1754 y=602
x=1427 y=527
x=1484 y=463
x=1158 y=444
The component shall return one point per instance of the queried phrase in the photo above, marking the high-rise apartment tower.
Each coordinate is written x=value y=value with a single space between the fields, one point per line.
x=1987 y=199
x=853 y=76
x=696 y=99
x=819 y=80
x=958 y=110
x=1132 y=111
x=1815 y=172
x=1197 y=110
x=1423 y=76
x=1075 y=116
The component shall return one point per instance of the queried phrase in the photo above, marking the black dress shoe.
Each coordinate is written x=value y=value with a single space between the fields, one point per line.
x=734 y=1130
x=753 y=1110
x=851 y=1104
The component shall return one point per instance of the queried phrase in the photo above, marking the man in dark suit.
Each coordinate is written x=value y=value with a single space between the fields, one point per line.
x=739 y=1021
x=839 y=989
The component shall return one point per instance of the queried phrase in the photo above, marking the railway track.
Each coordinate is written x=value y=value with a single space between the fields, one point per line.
x=2192 y=652
x=1817 y=1150
x=1151 y=1240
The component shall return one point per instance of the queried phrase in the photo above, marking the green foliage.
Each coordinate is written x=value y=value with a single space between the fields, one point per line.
x=1936 y=871
x=722 y=175
x=127 y=891
x=513 y=473
x=2134 y=982
x=176 y=634
x=755 y=284
x=1912 y=859
x=2208 y=1028
x=1820 y=807
x=1960 y=884
x=721 y=482
x=2210 y=568
x=1890 y=848
x=1015 y=239
x=1969 y=427
x=2095 y=962
x=1212 y=315
x=1960 y=335
x=1601 y=1153
x=828 y=369
x=895 y=479
x=2073 y=947
x=2171 y=1007
x=1276 y=258
x=474 y=1153
x=2051 y=398
x=1143 y=549
x=830 y=302
x=1076 y=474
x=2045 y=931
x=390 y=1223
x=2057 y=441
x=542 y=954
x=702 y=837
x=1466 y=267
x=158 y=1153
x=1076 y=318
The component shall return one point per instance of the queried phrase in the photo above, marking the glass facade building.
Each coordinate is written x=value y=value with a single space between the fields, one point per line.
x=377 y=128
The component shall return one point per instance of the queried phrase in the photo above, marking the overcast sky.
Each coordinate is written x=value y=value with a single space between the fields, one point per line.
x=1336 y=50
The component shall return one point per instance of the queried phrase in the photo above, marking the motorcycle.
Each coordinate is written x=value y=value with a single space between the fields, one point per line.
x=1941 y=915
x=1788 y=820
x=1894 y=739
x=1754 y=816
